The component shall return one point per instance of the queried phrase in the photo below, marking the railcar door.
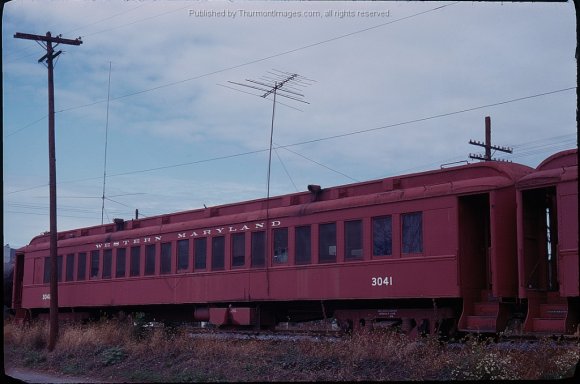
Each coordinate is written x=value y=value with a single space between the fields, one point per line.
x=540 y=246
x=475 y=242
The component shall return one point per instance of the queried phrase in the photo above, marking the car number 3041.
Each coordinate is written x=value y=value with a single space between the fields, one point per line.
x=381 y=281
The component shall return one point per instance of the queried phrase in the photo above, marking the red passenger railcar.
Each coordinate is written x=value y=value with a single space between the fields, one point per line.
x=548 y=272
x=428 y=250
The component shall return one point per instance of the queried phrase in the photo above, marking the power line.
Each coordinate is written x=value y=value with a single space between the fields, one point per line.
x=285 y=169
x=257 y=60
x=552 y=148
x=434 y=116
x=347 y=134
x=136 y=21
x=27 y=52
x=318 y=163
x=542 y=142
x=45 y=214
x=107 y=18
x=26 y=126
x=533 y=150
x=277 y=54
x=34 y=206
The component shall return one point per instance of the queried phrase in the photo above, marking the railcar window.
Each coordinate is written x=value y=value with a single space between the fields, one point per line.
x=382 y=236
x=121 y=262
x=218 y=248
x=280 y=245
x=238 y=249
x=59 y=267
x=70 y=266
x=94 y=264
x=303 y=245
x=200 y=248
x=353 y=240
x=327 y=243
x=258 y=249
x=107 y=263
x=82 y=266
x=182 y=255
x=135 y=262
x=165 y=258
x=46 y=270
x=150 y=259
x=412 y=230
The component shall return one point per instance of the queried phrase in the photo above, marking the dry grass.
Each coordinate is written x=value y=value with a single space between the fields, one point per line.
x=113 y=351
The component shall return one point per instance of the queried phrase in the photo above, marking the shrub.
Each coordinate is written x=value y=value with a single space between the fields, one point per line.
x=108 y=348
x=112 y=356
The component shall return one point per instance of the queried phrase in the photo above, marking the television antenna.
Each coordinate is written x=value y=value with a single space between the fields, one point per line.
x=277 y=83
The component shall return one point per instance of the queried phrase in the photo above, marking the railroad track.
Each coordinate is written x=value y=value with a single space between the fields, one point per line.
x=285 y=334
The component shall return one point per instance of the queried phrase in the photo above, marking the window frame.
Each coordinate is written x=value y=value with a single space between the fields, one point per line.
x=165 y=259
x=218 y=253
x=388 y=236
x=81 y=266
x=280 y=245
x=46 y=270
x=326 y=241
x=94 y=266
x=238 y=249
x=150 y=255
x=107 y=264
x=182 y=255
x=303 y=244
x=197 y=247
x=121 y=260
x=350 y=243
x=410 y=248
x=59 y=262
x=135 y=261
x=70 y=267
x=258 y=249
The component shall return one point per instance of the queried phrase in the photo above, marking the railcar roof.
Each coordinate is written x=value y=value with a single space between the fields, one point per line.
x=560 y=160
x=508 y=172
x=558 y=168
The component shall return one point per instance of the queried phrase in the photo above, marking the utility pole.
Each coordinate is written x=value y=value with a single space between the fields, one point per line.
x=49 y=57
x=487 y=145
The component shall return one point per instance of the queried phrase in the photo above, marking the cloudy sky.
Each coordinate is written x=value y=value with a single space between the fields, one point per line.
x=397 y=87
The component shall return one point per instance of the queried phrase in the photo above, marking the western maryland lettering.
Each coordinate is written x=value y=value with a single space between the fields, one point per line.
x=188 y=234
x=224 y=230
x=124 y=243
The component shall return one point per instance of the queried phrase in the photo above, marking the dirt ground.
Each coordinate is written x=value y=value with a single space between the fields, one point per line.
x=19 y=375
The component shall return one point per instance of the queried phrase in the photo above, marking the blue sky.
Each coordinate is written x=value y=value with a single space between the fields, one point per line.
x=391 y=86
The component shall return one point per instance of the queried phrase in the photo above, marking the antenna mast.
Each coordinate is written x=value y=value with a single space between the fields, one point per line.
x=283 y=84
x=106 y=141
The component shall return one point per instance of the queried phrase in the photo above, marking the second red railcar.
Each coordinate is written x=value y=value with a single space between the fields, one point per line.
x=548 y=272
